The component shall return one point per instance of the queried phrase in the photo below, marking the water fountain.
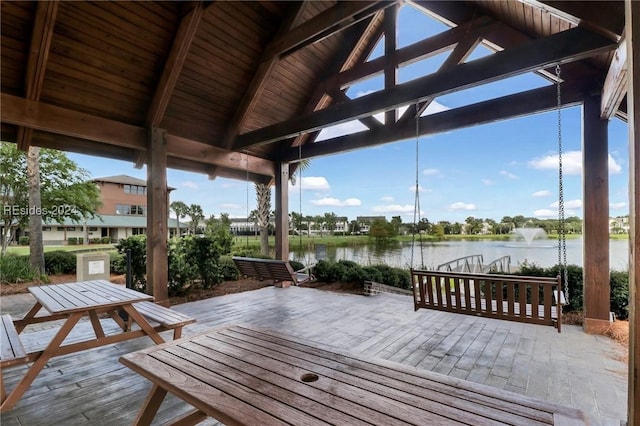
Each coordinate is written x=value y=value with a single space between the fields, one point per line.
x=529 y=234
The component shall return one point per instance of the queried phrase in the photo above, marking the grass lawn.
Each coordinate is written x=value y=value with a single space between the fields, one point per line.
x=24 y=250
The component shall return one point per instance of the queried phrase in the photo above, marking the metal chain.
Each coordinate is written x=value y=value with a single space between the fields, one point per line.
x=562 y=238
x=416 y=203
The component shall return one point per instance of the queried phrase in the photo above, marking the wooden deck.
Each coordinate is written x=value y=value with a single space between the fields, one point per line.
x=572 y=368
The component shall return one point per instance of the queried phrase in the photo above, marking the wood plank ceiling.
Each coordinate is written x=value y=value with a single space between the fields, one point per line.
x=239 y=85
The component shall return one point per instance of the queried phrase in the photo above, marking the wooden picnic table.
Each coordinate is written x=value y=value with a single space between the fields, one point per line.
x=71 y=302
x=245 y=376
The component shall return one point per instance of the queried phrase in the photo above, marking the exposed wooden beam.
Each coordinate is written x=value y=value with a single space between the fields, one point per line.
x=426 y=48
x=506 y=107
x=390 y=47
x=615 y=84
x=41 y=35
x=54 y=119
x=175 y=61
x=338 y=17
x=371 y=122
x=260 y=78
x=567 y=46
x=172 y=68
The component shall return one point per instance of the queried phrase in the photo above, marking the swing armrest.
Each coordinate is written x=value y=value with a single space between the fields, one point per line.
x=305 y=274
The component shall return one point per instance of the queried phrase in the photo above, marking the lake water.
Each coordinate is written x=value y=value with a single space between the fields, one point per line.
x=541 y=252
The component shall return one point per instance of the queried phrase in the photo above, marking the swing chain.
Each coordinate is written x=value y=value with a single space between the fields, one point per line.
x=562 y=238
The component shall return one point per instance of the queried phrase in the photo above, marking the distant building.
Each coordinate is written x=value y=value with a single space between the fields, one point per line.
x=619 y=225
x=366 y=221
x=123 y=213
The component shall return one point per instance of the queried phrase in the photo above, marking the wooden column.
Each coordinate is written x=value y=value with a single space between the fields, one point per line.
x=632 y=11
x=157 y=216
x=282 y=211
x=595 y=157
x=390 y=46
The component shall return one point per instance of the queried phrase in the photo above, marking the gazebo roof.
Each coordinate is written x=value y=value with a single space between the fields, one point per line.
x=239 y=85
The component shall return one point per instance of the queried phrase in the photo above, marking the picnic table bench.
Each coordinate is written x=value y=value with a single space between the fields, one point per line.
x=269 y=269
x=244 y=375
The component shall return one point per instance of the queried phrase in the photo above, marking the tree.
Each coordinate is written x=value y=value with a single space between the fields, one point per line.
x=195 y=213
x=381 y=230
x=180 y=209
x=396 y=222
x=65 y=191
x=36 y=246
x=263 y=200
x=331 y=219
x=354 y=227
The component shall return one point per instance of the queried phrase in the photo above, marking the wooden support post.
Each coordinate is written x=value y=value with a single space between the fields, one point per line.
x=157 y=216
x=595 y=156
x=282 y=211
x=632 y=27
x=390 y=46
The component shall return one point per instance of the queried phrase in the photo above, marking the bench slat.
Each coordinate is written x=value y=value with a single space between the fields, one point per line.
x=164 y=316
x=269 y=269
x=11 y=349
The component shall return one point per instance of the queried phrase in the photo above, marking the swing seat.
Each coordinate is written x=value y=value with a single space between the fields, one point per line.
x=506 y=297
x=275 y=270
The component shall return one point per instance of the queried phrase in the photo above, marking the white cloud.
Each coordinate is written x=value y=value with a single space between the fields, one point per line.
x=314 y=183
x=431 y=172
x=571 y=163
x=540 y=194
x=508 y=175
x=617 y=206
x=487 y=182
x=189 y=184
x=230 y=206
x=360 y=93
x=334 y=202
x=412 y=188
x=545 y=213
x=435 y=107
x=386 y=199
x=462 y=206
x=394 y=208
x=571 y=204
x=341 y=129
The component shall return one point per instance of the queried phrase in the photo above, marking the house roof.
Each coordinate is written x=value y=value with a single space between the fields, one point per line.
x=122 y=179
x=238 y=86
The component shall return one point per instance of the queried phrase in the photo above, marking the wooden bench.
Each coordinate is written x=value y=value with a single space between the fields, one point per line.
x=506 y=297
x=11 y=350
x=167 y=318
x=269 y=269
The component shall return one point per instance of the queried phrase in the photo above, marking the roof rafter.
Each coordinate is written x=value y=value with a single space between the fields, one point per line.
x=567 y=46
x=41 y=35
x=336 y=18
x=506 y=107
x=615 y=84
x=54 y=119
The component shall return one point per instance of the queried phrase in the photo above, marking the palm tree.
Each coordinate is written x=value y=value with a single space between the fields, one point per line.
x=195 y=213
x=180 y=209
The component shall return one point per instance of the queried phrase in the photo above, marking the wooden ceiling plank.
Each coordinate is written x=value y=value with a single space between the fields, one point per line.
x=567 y=46
x=506 y=107
x=259 y=80
x=53 y=119
x=415 y=52
x=41 y=36
x=336 y=18
x=615 y=84
x=173 y=66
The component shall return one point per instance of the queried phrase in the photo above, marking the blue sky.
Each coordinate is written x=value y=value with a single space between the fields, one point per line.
x=490 y=171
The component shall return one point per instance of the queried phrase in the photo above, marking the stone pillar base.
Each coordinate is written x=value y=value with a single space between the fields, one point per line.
x=283 y=284
x=595 y=326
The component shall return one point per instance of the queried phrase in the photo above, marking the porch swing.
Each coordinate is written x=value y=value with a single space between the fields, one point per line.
x=278 y=271
x=528 y=299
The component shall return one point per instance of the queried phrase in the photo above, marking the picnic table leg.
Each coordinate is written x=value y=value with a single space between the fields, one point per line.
x=21 y=324
x=150 y=406
x=13 y=398
x=144 y=325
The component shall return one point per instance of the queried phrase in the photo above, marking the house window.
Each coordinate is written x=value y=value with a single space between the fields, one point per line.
x=138 y=231
x=135 y=189
x=127 y=209
x=46 y=228
x=93 y=228
x=60 y=228
x=71 y=228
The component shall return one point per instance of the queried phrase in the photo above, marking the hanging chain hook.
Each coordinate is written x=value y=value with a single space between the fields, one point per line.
x=562 y=237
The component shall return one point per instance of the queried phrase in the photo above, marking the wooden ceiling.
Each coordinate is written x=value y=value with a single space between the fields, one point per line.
x=238 y=86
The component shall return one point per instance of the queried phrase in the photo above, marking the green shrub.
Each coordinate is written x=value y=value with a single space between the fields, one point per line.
x=204 y=253
x=228 y=268
x=249 y=252
x=59 y=262
x=80 y=240
x=350 y=272
x=296 y=265
x=138 y=246
x=118 y=262
x=619 y=282
x=181 y=271
x=105 y=240
x=96 y=240
x=15 y=269
x=72 y=241
x=23 y=241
